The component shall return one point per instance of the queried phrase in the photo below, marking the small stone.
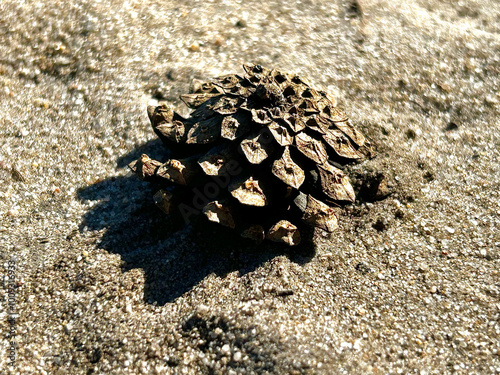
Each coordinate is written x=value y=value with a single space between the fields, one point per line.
x=241 y=23
x=202 y=309
x=423 y=267
x=237 y=356
x=362 y=268
x=219 y=41
x=95 y=355
x=13 y=212
x=195 y=47
x=42 y=103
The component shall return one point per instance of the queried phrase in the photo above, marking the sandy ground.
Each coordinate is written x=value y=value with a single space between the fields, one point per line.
x=105 y=284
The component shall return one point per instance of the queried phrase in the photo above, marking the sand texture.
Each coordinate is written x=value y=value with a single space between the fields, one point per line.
x=106 y=284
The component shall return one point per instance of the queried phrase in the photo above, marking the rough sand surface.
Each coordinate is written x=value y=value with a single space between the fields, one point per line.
x=106 y=285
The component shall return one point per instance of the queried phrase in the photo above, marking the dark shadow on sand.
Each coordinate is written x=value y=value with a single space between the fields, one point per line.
x=174 y=256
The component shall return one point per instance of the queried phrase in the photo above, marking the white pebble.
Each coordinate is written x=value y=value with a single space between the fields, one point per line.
x=225 y=349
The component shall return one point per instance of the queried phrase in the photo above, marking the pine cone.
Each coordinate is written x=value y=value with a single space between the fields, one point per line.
x=257 y=154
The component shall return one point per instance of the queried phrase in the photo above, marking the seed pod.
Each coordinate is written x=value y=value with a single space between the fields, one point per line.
x=242 y=91
x=284 y=232
x=269 y=91
x=288 y=171
x=160 y=114
x=308 y=106
x=311 y=94
x=318 y=214
x=315 y=123
x=290 y=91
x=275 y=113
x=204 y=111
x=280 y=78
x=174 y=131
x=335 y=183
x=294 y=123
x=255 y=72
x=294 y=78
x=219 y=213
x=248 y=191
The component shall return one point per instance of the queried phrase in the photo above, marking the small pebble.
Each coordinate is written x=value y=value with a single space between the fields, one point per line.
x=241 y=23
x=12 y=213
x=219 y=41
x=195 y=47
x=237 y=356
x=423 y=267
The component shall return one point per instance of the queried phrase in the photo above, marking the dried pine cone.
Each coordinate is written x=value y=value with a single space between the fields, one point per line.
x=257 y=153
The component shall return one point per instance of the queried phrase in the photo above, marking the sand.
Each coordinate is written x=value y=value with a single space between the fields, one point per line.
x=105 y=284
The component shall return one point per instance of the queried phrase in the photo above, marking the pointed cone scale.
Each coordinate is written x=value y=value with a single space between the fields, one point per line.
x=248 y=191
x=284 y=232
x=335 y=184
x=341 y=144
x=288 y=171
x=312 y=148
x=318 y=214
x=218 y=212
